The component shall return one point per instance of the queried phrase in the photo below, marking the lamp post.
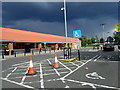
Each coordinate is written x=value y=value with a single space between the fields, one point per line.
x=64 y=8
x=103 y=26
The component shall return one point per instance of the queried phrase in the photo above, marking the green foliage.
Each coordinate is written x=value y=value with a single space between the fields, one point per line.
x=94 y=39
x=117 y=37
x=89 y=41
x=110 y=39
x=102 y=40
x=83 y=40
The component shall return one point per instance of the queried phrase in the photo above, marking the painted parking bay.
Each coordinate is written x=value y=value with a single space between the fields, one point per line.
x=74 y=72
x=96 y=74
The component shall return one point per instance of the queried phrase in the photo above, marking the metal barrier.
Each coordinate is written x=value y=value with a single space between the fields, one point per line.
x=46 y=49
x=16 y=51
x=34 y=50
x=67 y=53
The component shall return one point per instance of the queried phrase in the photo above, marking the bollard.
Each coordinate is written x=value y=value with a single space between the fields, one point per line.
x=45 y=50
x=79 y=55
x=15 y=54
x=40 y=50
x=2 y=56
x=32 y=52
x=24 y=53
x=49 y=50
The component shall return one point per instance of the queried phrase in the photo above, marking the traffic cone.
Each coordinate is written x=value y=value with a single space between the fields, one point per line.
x=31 y=68
x=56 y=62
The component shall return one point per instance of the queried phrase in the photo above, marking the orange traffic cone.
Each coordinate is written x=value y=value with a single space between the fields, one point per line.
x=31 y=68
x=56 y=62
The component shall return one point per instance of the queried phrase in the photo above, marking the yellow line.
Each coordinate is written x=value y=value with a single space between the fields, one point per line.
x=67 y=59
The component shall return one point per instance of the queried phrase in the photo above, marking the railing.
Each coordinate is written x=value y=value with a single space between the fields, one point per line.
x=33 y=51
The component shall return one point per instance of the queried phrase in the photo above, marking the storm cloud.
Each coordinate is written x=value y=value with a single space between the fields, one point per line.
x=46 y=17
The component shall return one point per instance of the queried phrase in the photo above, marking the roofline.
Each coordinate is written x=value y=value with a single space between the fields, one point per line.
x=28 y=41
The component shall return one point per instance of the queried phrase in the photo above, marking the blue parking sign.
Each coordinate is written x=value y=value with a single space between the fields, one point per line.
x=78 y=44
x=77 y=34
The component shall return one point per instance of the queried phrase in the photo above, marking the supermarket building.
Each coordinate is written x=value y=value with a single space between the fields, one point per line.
x=19 y=39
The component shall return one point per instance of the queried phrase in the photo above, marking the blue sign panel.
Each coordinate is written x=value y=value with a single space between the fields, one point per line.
x=77 y=34
x=78 y=44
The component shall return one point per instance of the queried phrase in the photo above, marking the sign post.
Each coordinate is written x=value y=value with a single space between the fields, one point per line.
x=77 y=34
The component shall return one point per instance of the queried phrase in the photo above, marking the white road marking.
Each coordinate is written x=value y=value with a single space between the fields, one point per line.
x=92 y=50
x=44 y=81
x=59 y=75
x=11 y=72
x=54 y=73
x=49 y=61
x=79 y=67
x=97 y=58
x=41 y=76
x=18 y=73
x=26 y=76
x=79 y=61
x=17 y=83
x=7 y=69
x=23 y=79
x=74 y=64
x=57 y=72
x=20 y=64
x=94 y=75
x=65 y=66
x=58 y=69
x=67 y=86
x=47 y=67
x=91 y=84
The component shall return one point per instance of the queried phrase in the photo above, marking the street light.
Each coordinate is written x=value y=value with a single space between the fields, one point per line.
x=103 y=26
x=64 y=8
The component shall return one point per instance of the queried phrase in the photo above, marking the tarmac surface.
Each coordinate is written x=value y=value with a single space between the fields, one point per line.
x=96 y=69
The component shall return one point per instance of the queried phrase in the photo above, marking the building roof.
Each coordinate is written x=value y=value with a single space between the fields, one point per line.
x=9 y=34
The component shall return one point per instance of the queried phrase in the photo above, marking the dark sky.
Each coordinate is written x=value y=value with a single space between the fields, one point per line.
x=46 y=17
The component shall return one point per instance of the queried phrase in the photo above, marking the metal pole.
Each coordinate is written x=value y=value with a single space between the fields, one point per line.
x=79 y=55
x=2 y=55
x=65 y=23
x=103 y=30
x=15 y=54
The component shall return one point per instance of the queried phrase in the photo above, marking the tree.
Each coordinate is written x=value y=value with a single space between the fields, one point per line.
x=89 y=41
x=110 y=39
x=117 y=37
x=94 y=39
x=97 y=40
x=83 y=40
x=102 y=40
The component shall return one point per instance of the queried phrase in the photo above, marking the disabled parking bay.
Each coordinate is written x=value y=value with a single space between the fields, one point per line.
x=97 y=74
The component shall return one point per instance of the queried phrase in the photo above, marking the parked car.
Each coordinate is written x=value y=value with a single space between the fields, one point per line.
x=108 y=47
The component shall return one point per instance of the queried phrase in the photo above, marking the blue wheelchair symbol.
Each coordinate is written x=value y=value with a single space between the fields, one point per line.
x=77 y=34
